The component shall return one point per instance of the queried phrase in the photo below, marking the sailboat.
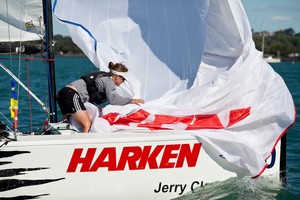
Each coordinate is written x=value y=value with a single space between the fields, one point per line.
x=214 y=109
x=267 y=57
x=272 y=59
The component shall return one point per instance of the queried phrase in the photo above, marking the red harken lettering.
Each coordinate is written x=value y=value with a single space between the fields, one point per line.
x=135 y=157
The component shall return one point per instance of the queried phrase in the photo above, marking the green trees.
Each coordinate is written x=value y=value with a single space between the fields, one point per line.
x=64 y=46
x=283 y=41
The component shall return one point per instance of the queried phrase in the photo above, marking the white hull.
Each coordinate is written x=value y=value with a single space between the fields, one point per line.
x=271 y=59
x=178 y=162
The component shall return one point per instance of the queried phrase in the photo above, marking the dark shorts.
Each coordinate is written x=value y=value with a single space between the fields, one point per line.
x=69 y=101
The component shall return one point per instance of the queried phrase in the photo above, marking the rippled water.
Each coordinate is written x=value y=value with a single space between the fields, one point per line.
x=238 y=188
x=233 y=188
x=291 y=74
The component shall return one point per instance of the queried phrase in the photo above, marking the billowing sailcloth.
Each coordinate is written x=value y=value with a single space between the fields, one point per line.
x=195 y=64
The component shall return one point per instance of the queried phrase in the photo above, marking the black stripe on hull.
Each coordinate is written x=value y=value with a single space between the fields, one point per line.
x=10 y=184
x=18 y=171
x=6 y=154
x=23 y=197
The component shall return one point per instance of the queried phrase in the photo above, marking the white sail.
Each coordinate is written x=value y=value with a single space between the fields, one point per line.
x=21 y=20
x=190 y=58
x=142 y=35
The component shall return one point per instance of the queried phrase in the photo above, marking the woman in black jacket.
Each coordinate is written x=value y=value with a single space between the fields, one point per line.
x=96 y=88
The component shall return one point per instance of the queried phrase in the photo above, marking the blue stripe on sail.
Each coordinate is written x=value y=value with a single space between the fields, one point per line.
x=86 y=30
x=54 y=5
x=76 y=24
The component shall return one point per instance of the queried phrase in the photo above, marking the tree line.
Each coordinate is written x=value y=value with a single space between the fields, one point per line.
x=286 y=42
x=63 y=45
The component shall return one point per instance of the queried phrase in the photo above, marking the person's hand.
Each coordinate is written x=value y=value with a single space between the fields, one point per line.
x=137 y=101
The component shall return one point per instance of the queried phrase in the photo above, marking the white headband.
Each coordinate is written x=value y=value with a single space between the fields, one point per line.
x=124 y=74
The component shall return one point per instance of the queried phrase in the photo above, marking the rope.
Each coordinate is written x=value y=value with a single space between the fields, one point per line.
x=8 y=32
x=7 y=121
x=29 y=102
x=18 y=80
x=20 y=57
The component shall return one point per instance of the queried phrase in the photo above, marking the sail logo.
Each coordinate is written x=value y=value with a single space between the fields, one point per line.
x=29 y=26
x=135 y=157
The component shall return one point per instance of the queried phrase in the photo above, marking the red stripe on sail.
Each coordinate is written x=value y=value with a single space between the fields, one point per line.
x=238 y=115
x=206 y=121
x=192 y=122
x=111 y=117
x=136 y=117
